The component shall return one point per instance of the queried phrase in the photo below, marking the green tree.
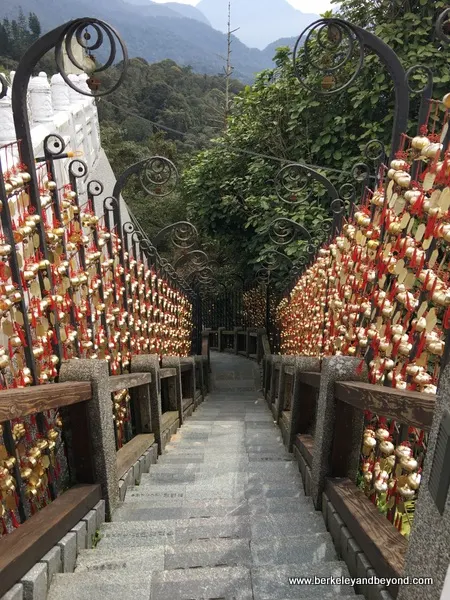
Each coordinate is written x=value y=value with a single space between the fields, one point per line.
x=230 y=192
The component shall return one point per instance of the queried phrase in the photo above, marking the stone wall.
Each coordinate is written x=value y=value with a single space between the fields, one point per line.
x=54 y=107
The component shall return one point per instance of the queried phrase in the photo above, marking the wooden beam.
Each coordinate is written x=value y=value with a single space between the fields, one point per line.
x=383 y=545
x=305 y=444
x=132 y=451
x=411 y=408
x=168 y=419
x=26 y=545
x=129 y=380
x=310 y=378
x=289 y=370
x=35 y=399
x=167 y=372
x=185 y=367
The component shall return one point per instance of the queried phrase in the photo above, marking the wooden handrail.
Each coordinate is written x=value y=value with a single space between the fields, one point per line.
x=128 y=381
x=411 y=408
x=26 y=545
x=167 y=372
x=382 y=544
x=35 y=399
x=310 y=378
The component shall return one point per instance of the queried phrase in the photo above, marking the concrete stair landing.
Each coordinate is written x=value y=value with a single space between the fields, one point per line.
x=222 y=516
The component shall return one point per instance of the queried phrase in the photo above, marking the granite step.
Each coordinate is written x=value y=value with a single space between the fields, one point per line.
x=138 y=506
x=116 y=559
x=107 y=585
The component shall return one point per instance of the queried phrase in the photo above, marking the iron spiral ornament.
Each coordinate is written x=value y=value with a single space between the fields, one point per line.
x=328 y=56
x=273 y=260
x=283 y=231
x=54 y=145
x=95 y=188
x=293 y=184
x=110 y=204
x=158 y=176
x=443 y=27
x=78 y=168
x=197 y=258
x=183 y=235
x=92 y=35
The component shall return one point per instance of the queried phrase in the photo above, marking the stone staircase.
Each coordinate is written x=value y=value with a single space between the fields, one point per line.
x=222 y=516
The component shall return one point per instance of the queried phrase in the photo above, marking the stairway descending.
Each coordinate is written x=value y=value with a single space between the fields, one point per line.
x=222 y=516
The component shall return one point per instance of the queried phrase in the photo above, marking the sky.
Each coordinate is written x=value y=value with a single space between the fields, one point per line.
x=306 y=6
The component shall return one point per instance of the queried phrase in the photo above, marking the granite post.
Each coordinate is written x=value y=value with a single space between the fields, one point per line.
x=285 y=361
x=303 y=364
x=149 y=363
x=173 y=362
x=235 y=340
x=101 y=424
x=220 y=339
x=428 y=553
x=334 y=368
x=276 y=360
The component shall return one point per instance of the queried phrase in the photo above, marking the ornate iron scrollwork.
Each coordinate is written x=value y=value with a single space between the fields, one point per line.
x=294 y=179
x=197 y=257
x=322 y=57
x=90 y=34
x=443 y=27
x=329 y=45
x=183 y=235
x=283 y=231
x=157 y=174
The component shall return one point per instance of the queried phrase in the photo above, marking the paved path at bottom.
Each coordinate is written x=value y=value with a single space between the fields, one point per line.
x=222 y=516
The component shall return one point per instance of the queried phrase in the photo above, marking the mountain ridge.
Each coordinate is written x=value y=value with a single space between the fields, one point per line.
x=154 y=32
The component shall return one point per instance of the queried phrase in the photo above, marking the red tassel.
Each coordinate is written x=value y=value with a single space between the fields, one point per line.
x=14 y=520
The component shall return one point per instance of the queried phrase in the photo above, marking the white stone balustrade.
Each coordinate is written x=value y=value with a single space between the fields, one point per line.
x=54 y=107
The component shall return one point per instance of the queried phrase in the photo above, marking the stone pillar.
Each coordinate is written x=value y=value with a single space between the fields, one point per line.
x=276 y=360
x=236 y=337
x=199 y=369
x=149 y=363
x=285 y=361
x=40 y=99
x=303 y=364
x=220 y=338
x=334 y=368
x=100 y=412
x=428 y=553
x=7 y=130
x=60 y=93
x=247 y=343
x=173 y=362
x=191 y=373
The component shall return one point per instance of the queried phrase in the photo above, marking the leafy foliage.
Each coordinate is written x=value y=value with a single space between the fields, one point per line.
x=230 y=192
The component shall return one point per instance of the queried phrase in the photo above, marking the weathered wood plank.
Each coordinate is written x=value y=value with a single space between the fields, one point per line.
x=310 y=378
x=129 y=380
x=289 y=369
x=186 y=402
x=167 y=372
x=132 y=451
x=168 y=418
x=411 y=408
x=26 y=401
x=185 y=367
x=26 y=545
x=383 y=545
x=305 y=444
x=253 y=334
